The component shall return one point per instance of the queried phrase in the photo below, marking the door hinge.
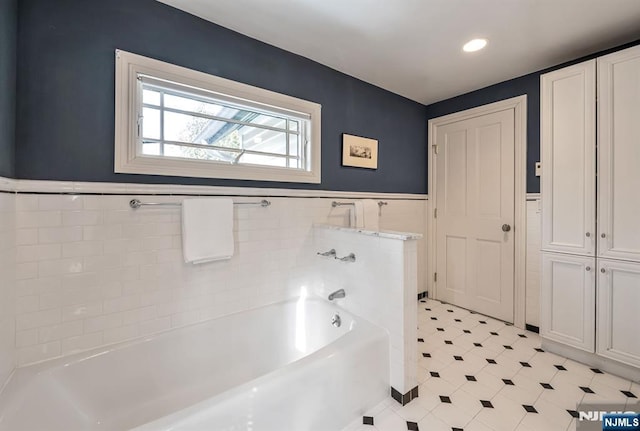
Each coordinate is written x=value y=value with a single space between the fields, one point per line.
x=435 y=149
x=435 y=276
x=435 y=213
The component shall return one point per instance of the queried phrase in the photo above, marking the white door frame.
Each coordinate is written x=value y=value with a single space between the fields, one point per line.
x=519 y=105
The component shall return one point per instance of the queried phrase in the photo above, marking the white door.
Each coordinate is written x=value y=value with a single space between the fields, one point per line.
x=475 y=213
x=568 y=150
x=618 y=317
x=619 y=155
x=567 y=300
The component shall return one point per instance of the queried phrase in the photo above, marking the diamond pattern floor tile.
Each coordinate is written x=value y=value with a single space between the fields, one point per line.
x=480 y=374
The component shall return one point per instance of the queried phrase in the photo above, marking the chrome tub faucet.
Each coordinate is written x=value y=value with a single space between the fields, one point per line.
x=349 y=258
x=337 y=294
x=330 y=253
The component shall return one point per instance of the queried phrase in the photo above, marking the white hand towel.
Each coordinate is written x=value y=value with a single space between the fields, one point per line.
x=207 y=230
x=371 y=215
x=357 y=215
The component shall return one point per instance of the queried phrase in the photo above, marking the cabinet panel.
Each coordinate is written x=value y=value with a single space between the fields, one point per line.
x=618 y=317
x=619 y=155
x=568 y=159
x=567 y=312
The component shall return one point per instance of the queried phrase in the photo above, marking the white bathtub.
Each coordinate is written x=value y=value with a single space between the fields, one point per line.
x=279 y=367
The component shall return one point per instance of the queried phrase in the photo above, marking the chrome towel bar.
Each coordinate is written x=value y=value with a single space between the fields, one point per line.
x=341 y=204
x=136 y=203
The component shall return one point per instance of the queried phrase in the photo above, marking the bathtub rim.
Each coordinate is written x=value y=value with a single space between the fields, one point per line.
x=370 y=330
x=68 y=360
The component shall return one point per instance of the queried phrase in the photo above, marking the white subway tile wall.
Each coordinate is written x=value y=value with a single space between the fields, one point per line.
x=90 y=271
x=532 y=312
x=380 y=286
x=8 y=305
x=398 y=218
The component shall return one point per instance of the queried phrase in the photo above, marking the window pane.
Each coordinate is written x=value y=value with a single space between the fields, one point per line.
x=191 y=105
x=151 y=123
x=268 y=120
x=268 y=141
x=151 y=148
x=172 y=150
x=295 y=163
x=195 y=104
x=257 y=159
x=151 y=97
x=247 y=129
x=293 y=145
x=188 y=128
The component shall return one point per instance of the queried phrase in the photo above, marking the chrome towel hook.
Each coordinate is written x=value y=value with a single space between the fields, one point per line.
x=380 y=205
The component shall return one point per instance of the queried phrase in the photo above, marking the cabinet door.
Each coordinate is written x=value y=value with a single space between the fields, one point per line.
x=568 y=130
x=567 y=312
x=618 y=312
x=619 y=155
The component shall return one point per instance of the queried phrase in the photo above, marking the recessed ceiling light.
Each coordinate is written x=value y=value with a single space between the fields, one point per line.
x=474 y=45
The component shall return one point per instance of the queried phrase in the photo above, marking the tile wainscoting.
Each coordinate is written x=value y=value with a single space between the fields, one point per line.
x=532 y=314
x=7 y=284
x=90 y=271
x=380 y=285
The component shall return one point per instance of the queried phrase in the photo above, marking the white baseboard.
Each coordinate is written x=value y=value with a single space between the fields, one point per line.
x=593 y=360
x=533 y=196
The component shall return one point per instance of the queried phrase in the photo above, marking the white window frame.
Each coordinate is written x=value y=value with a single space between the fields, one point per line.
x=127 y=99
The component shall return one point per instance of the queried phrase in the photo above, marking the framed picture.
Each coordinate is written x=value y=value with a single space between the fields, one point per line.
x=359 y=152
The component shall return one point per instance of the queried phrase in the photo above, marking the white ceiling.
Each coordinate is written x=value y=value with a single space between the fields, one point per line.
x=414 y=47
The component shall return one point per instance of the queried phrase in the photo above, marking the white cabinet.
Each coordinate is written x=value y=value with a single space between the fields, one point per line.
x=590 y=289
x=619 y=155
x=567 y=313
x=568 y=136
x=618 y=313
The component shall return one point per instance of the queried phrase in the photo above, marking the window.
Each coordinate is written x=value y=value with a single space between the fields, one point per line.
x=176 y=121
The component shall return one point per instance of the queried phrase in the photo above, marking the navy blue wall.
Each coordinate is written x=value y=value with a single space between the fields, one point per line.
x=529 y=85
x=65 y=106
x=8 y=32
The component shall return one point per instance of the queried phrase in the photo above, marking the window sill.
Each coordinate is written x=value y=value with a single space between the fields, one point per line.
x=199 y=169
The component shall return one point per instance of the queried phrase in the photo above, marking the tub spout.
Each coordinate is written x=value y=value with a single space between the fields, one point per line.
x=337 y=294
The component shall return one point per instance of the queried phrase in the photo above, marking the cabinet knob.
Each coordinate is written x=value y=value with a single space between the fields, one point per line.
x=602 y=270
x=588 y=268
x=506 y=228
x=603 y=235
x=588 y=234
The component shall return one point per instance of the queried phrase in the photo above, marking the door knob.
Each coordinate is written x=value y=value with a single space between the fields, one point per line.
x=506 y=227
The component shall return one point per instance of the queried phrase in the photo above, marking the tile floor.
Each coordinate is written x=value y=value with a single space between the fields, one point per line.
x=477 y=373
